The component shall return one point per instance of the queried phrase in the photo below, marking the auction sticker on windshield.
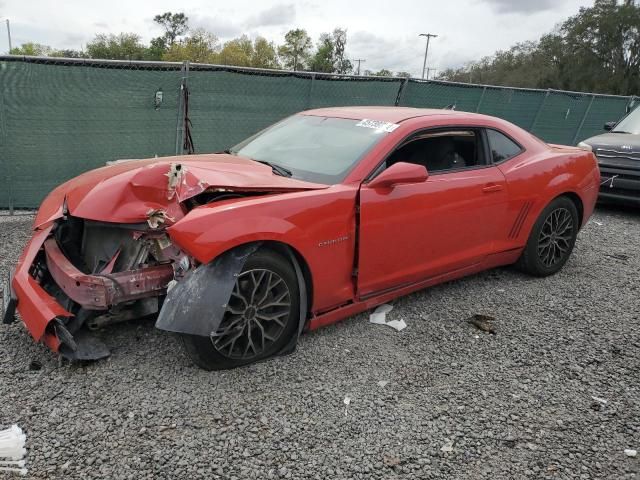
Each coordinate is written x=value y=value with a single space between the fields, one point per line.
x=378 y=125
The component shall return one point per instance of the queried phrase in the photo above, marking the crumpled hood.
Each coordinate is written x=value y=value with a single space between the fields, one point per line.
x=127 y=191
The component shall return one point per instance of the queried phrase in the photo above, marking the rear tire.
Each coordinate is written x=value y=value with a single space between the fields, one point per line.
x=552 y=239
x=261 y=317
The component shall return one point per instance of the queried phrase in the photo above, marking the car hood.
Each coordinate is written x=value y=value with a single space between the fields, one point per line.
x=626 y=143
x=132 y=191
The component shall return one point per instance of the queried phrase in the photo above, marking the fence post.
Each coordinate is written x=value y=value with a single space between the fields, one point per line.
x=401 y=88
x=311 y=85
x=535 y=119
x=484 y=90
x=184 y=74
x=6 y=165
x=584 y=118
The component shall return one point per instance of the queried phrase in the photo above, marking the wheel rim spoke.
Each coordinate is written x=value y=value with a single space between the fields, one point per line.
x=256 y=315
x=555 y=238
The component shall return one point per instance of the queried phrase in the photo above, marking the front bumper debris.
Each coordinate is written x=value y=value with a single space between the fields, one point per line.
x=99 y=292
x=9 y=302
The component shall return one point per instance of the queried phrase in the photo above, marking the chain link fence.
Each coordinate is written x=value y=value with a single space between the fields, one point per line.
x=61 y=117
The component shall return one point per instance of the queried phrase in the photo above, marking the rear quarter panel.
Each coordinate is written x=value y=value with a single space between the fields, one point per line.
x=535 y=178
x=319 y=225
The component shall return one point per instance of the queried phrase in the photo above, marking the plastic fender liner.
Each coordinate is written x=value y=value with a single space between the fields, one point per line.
x=196 y=304
x=290 y=347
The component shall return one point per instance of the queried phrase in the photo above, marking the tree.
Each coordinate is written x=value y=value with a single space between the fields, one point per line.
x=124 y=46
x=296 y=49
x=174 y=24
x=157 y=49
x=403 y=75
x=383 y=73
x=264 y=54
x=324 y=58
x=342 y=65
x=596 y=50
x=33 y=49
x=238 y=51
x=200 y=47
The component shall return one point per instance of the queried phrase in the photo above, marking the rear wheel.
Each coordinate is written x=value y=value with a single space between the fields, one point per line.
x=261 y=316
x=551 y=240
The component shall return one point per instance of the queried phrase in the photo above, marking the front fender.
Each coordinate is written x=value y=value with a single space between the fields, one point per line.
x=207 y=236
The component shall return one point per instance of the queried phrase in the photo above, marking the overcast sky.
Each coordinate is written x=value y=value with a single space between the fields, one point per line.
x=385 y=33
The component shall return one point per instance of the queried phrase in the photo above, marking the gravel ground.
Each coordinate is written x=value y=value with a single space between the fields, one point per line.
x=516 y=404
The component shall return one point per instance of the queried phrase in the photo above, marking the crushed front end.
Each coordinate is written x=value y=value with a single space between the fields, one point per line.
x=77 y=275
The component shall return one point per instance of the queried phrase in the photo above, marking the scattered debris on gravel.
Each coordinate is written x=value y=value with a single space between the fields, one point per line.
x=456 y=404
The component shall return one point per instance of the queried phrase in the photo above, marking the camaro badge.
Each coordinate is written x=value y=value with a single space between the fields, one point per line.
x=329 y=243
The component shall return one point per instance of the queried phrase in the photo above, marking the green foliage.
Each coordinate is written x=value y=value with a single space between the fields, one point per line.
x=596 y=50
x=264 y=54
x=199 y=47
x=296 y=50
x=330 y=53
x=238 y=52
x=174 y=24
x=124 y=46
x=33 y=49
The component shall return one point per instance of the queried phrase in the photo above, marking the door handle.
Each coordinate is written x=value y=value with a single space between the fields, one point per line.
x=492 y=187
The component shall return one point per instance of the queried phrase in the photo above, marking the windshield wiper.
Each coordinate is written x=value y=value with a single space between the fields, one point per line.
x=621 y=131
x=277 y=169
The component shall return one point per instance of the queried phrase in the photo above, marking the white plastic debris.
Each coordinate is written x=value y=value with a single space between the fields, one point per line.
x=383 y=383
x=631 y=453
x=600 y=224
x=347 y=402
x=447 y=447
x=12 y=443
x=600 y=400
x=379 y=317
x=12 y=448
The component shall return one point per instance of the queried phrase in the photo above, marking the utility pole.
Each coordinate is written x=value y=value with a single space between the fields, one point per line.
x=426 y=52
x=8 y=33
x=429 y=70
x=359 y=60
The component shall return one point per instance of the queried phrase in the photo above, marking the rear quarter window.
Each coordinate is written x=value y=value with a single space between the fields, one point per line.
x=502 y=147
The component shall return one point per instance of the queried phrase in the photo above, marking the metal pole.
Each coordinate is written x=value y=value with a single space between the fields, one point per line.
x=535 y=119
x=426 y=52
x=9 y=35
x=584 y=118
x=180 y=121
x=484 y=90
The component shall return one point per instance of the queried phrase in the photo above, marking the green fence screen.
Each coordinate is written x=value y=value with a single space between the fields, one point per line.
x=61 y=117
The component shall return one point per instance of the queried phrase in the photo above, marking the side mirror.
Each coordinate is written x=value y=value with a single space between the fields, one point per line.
x=398 y=173
x=610 y=126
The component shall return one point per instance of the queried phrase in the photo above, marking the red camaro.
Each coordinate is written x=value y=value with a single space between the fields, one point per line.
x=323 y=215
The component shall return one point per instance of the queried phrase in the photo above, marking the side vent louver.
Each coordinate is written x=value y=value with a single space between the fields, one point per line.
x=522 y=215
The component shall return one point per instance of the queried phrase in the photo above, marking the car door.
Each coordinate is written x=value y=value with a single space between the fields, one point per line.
x=412 y=232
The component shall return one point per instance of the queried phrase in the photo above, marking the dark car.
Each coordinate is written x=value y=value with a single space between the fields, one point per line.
x=618 y=153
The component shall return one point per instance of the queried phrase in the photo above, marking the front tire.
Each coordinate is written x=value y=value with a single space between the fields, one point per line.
x=261 y=317
x=551 y=240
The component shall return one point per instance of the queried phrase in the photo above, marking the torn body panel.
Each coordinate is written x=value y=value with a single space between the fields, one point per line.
x=101 y=253
x=195 y=305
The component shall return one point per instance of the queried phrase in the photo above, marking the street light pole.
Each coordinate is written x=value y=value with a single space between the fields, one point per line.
x=9 y=35
x=426 y=52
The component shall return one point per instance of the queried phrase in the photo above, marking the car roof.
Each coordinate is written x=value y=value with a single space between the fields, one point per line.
x=384 y=114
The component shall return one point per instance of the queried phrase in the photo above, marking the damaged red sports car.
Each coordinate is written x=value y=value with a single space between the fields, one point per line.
x=323 y=215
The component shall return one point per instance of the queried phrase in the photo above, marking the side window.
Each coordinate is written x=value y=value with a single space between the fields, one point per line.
x=441 y=151
x=502 y=147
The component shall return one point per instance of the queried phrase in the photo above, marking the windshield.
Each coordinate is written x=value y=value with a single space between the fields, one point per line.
x=315 y=149
x=630 y=123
